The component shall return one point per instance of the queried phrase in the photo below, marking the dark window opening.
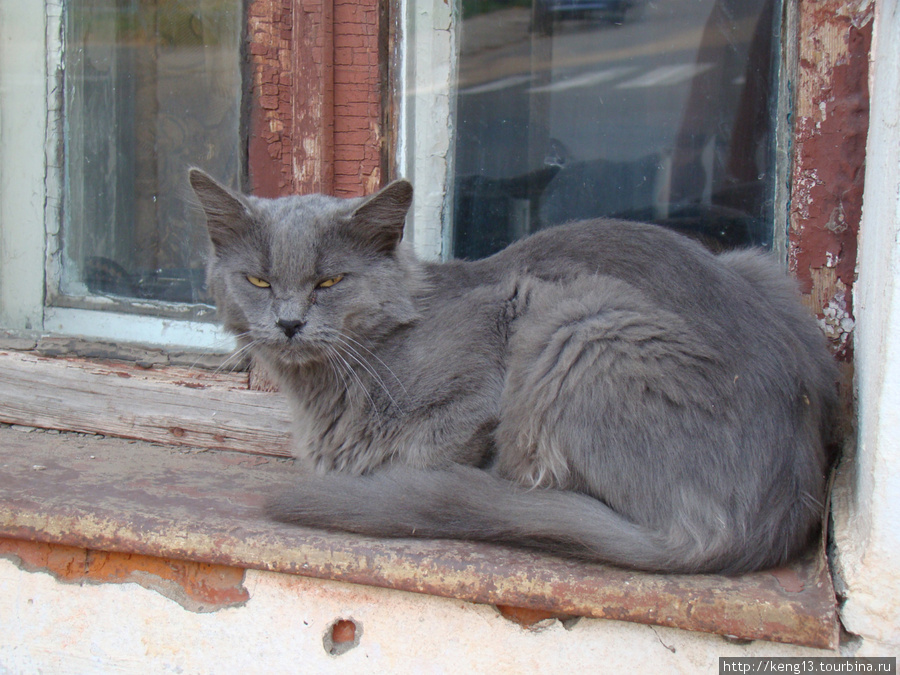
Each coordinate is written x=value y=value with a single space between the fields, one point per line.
x=636 y=109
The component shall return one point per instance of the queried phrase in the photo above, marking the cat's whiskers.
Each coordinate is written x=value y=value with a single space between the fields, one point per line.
x=235 y=358
x=347 y=334
x=337 y=367
x=359 y=381
x=425 y=299
x=369 y=368
x=217 y=343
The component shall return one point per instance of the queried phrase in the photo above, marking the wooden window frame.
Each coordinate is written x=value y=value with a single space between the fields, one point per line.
x=317 y=107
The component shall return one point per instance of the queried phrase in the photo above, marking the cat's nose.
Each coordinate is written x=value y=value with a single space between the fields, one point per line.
x=290 y=327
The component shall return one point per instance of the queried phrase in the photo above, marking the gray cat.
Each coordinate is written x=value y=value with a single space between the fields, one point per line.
x=605 y=390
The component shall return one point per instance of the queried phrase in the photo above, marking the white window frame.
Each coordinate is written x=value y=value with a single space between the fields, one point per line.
x=31 y=185
x=23 y=116
x=427 y=71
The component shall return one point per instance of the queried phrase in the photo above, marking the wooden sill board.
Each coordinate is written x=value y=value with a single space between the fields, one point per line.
x=174 y=405
x=112 y=494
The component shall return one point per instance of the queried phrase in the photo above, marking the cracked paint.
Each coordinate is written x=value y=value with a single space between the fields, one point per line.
x=829 y=160
x=198 y=587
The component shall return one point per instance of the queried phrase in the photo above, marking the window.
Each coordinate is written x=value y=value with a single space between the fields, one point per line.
x=105 y=103
x=636 y=109
x=151 y=88
x=123 y=96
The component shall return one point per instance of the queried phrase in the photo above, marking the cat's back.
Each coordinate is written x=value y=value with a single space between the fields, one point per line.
x=742 y=304
x=671 y=270
x=641 y=254
x=663 y=264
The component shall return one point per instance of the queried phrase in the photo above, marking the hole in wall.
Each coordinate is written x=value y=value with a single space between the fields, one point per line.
x=535 y=619
x=342 y=636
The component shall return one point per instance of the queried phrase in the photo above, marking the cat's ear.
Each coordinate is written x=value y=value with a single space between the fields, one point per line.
x=379 y=219
x=227 y=216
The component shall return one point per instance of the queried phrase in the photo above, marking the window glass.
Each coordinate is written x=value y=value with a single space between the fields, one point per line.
x=655 y=110
x=152 y=87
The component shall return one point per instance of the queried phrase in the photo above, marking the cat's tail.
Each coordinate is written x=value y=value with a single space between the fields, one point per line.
x=467 y=503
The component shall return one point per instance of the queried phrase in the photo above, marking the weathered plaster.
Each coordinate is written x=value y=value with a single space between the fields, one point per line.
x=867 y=494
x=285 y=623
x=198 y=587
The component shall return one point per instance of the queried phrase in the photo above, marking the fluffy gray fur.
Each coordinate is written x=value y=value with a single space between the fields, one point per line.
x=605 y=390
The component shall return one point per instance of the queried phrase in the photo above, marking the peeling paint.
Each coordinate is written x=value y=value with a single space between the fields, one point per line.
x=830 y=299
x=837 y=323
x=316 y=97
x=269 y=26
x=198 y=587
x=533 y=619
x=832 y=113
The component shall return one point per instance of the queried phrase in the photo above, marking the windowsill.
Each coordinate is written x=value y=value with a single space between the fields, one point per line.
x=113 y=494
x=146 y=399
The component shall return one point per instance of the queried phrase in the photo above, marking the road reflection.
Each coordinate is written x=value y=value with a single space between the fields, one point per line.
x=637 y=117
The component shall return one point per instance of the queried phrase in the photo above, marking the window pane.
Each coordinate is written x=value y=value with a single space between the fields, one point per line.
x=152 y=87
x=639 y=109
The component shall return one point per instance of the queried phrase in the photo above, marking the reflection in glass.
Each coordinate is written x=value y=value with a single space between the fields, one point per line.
x=654 y=110
x=152 y=87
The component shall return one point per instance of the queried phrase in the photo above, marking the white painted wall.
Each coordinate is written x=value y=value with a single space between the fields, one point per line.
x=46 y=626
x=867 y=498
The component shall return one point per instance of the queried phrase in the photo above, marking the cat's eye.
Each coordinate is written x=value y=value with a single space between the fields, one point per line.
x=259 y=283
x=328 y=283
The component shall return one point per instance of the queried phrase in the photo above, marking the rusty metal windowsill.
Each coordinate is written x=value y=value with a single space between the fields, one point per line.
x=116 y=495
